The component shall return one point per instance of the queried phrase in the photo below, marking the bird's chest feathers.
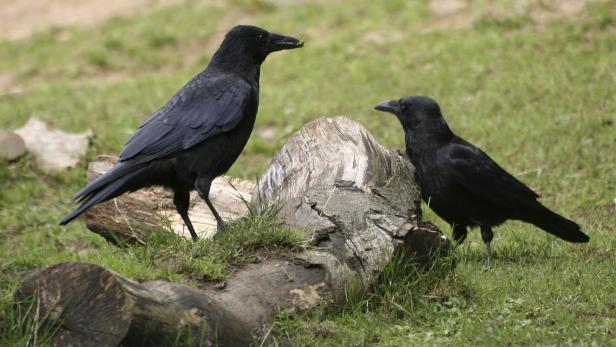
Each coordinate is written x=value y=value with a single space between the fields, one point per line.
x=422 y=156
x=428 y=172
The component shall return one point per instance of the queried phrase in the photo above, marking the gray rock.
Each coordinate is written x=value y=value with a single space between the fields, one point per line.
x=54 y=150
x=12 y=146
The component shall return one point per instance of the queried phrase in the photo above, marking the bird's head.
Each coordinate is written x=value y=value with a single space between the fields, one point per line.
x=254 y=43
x=418 y=114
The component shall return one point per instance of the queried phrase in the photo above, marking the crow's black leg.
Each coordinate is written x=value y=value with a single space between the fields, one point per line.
x=459 y=233
x=220 y=224
x=181 y=200
x=487 y=235
x=203 y=186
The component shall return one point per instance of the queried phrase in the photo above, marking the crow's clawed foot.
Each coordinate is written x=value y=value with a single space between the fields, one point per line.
x=220 y=226
x=487 y=262
x=488 y=259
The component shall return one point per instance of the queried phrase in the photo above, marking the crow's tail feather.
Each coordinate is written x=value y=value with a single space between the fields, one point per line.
x=99 y=183
x=103 y=192
x=558 y=225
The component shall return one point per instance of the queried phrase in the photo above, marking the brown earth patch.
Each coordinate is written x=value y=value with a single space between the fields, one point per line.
x=21 y=18
x=548 y=10
x=460 y=14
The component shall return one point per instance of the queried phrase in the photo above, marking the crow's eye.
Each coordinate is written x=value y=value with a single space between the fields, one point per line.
x=261 y=36
x=403 y=107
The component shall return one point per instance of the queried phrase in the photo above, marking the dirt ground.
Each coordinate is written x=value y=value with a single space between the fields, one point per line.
x=458 y=14
x=21 y=18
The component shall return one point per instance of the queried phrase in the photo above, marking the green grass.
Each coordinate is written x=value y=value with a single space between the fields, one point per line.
x=538 y=97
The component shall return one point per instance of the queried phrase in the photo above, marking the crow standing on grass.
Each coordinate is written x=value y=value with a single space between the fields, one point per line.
x=199 y=133
x=462 y=184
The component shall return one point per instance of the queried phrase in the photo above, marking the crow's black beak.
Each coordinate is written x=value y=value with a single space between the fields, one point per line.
x=391 y=106
x=281 y=42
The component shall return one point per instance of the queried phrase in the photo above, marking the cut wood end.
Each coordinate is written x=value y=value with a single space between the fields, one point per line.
x=88 y=304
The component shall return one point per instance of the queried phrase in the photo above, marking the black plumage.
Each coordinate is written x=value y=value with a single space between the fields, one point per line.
x=462 y=184
x=199 y=133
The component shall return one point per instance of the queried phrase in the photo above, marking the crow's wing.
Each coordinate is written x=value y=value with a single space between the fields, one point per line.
x=480 y=175
x=206 y=106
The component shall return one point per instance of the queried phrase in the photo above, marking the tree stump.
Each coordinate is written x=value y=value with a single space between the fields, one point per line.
x=359 y=201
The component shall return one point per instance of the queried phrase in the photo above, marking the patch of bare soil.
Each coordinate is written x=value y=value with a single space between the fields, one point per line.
x=21 y=18
x=450 y=14
x=8 y=85
x=384 y=37
x=551 y=9
x=447 y=7
x=460 y=14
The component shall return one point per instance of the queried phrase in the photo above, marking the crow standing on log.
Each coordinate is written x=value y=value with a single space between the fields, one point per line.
x=462 y=184
x=199 y=133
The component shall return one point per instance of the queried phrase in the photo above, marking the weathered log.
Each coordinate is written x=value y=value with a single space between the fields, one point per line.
x=359 y=201
x=92 y=306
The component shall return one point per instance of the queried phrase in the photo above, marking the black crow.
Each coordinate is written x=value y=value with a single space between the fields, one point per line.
x=462 y=184
x=199 y=133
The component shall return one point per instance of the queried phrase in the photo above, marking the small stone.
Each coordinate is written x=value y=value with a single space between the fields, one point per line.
x=447 y=7
x=220 y=285
x=269 y=133
x=53 y=149
x=12 y=146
